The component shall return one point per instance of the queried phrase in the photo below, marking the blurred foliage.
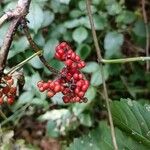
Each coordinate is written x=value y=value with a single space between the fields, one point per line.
x=121 y=33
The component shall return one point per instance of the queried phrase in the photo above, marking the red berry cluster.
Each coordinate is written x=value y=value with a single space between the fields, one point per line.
x=71 y=81
x=7 y=90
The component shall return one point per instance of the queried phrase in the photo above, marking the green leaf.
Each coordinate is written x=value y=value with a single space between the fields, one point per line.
x=114 y=8
x=83 y=51
x=96 y=78
x=112 y=43
x=36 y=63
x=35 y=16
x=139 y=29
x=52 y=130
x=126 y=17
x=49 y=48
x=18 y=46
x=132 y=118
x=100 y=139
x=85 y=119
x=48 y=18
x=91 y=67
x=80 y=34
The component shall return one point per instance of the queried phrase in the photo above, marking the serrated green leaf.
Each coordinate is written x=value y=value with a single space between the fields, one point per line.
x=80 y=34
x=133 y=118
x=112 y=44
x=100 y=139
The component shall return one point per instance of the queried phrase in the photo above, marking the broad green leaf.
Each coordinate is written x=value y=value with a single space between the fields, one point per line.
x=139 y=29
x=96 y=78
x=91 y=67
x=52 y=130
x=132 y=118
x=112 y=44
x=114 y=9
x=36 y=63
x=18 y=46
x=80 y=34
x=100 y=139
x=75 y=13
x=10 y=5
x=49 y=48
x=35 y=16
x=48 y=18
x=126 y=17
x=85 y=119
x=83 y=51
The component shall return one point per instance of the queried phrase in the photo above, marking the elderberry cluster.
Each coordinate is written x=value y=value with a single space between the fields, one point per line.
x=71 y=81
x=7 y=90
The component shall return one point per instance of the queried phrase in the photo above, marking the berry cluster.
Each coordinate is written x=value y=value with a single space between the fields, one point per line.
x=7 y=90
x=71 y=81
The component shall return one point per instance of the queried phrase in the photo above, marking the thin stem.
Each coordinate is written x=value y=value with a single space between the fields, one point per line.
x=125 y=60
x=3 y=19
x=98 y=50
x=23 y=62
x=36 y=48
x=147 y=33
x=2 y=114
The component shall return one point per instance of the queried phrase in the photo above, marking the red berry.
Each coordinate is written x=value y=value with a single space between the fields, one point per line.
x=66 y=99
x=13 y=90
x=79 y=83
x=10 y=100
x=45 y=86
x=68 y=62
x=76 y=76
x=40 y=83
x=1 y=100
x=51 y=86
x=77 y=58
x=81 y=94
x=50 y=94
x=57 y=88
x=10 y=81
x=77 y=90
x=80 y=76
x=84 y=88
x=6 y=89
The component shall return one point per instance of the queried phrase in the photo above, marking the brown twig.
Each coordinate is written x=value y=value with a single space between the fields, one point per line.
x=36 y=48
x=147 y=33
x=99 y=56
x=20 y=11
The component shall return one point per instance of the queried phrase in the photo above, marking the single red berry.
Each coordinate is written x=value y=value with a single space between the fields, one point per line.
x=10 y=100
x=77 y=90
x=50 y=94
x=73 y=56
x=41 y=89
x=66 y=99
x=81 y=94
x=80 y=76
x=40 y=83
x=13 y=90
x=45 y=86
x=77 y=58
x=79 y=83
x=6 y=89
x=68 y=62
x=76 y=76
x=1 y=100
x=51 y=85
x=10 y=81
x=84 y=88
x=57 y=88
